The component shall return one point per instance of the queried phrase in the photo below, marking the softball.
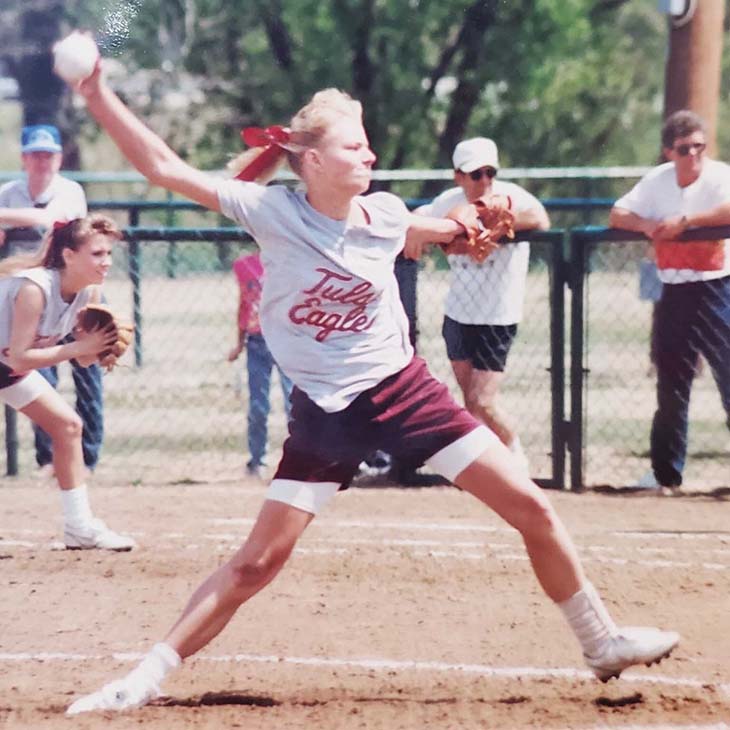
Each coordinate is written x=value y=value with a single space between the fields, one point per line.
x=75 y=57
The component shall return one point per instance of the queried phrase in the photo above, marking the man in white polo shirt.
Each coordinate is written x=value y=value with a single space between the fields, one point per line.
x=485 y=299
x=28 y=207
x=693 y=314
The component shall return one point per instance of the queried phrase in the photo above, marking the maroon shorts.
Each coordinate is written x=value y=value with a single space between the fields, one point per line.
x=411 y=415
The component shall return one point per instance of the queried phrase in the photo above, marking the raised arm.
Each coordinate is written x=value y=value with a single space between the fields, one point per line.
x=143 y=148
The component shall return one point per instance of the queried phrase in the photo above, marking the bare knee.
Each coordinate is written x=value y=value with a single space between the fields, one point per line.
x=68 y=428
x=537 y=517
x=255 y=570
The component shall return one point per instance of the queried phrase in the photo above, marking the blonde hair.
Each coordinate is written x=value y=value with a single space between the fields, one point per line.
x=310 y=123
x=307 y=126
x=72 y=234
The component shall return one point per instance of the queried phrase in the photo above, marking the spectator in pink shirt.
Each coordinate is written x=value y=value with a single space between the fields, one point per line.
x=249 y=273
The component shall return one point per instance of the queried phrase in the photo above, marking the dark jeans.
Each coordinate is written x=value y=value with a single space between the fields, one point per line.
x=89 y=406
x=406 y=274
x=691 y=319
x=260 y=363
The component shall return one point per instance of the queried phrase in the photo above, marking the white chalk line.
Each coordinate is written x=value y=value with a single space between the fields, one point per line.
x=372 y=664
x=717 y=726
x=478 y=527
x=227 y=542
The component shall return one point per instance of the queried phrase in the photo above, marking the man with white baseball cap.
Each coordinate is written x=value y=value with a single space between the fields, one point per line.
x=471 y=154
x=485 y=299
x=28 y=207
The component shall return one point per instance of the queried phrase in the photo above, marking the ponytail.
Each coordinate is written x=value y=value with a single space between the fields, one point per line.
x=72 y=234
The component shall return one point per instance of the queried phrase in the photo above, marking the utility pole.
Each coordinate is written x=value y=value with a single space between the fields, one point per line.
x=693 y=68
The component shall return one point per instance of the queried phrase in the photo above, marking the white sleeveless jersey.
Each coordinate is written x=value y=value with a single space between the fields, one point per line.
x=331 y=312
x=58 y=318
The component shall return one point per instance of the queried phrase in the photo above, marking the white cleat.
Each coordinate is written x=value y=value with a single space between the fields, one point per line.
x=632 y=645
x=119 y=695
x=96 y=535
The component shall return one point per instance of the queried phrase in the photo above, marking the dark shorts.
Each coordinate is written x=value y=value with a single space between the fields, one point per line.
x=485 y=346
x=411 y=415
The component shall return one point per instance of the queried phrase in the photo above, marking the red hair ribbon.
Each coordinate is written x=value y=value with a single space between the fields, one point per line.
x=59 y=224
x=273 y=139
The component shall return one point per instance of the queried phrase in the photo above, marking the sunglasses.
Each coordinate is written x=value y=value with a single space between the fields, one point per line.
x=488 y=172
x=684 y=149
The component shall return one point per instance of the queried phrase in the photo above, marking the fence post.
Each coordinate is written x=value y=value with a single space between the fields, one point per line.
x=171 y=258
x=135 y=271
x=557 y=357
x=11 y=441
x=576 y=281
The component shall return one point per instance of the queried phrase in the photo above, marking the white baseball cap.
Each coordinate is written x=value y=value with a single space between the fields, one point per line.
x=471 y=154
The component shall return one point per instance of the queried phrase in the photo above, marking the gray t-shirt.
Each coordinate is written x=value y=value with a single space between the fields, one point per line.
x=64 y=198
x=331 y=312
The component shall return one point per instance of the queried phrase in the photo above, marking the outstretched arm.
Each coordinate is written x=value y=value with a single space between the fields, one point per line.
x=425 y=229
x=143 y=148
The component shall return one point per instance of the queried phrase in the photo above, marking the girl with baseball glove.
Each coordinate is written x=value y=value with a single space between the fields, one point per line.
x=332 y=316
x=41 y=298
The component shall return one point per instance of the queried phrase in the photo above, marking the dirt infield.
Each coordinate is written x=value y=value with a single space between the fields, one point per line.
x=400 y=609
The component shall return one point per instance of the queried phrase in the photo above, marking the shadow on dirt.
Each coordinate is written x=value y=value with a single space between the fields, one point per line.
x=217 y=698
x=720 y=494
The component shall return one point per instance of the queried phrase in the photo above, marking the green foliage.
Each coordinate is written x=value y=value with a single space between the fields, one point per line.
x=555 y=82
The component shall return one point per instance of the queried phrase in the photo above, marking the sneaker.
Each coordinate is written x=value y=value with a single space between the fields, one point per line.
x=45 y=472
x=96 y=535
x=632 y=645
x=119 y=695
x=257 y=472
x=647 y=481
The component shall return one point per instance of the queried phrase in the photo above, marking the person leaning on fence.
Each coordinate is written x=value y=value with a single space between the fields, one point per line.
x=40 y=297
x=485 y=299
x=333 y=320
x=693 y=313
x=249 y=273
x=28 y=206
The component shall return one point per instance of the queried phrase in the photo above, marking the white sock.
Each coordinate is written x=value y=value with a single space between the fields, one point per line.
x=589 y=619
x=76 y=508
x=154 y=667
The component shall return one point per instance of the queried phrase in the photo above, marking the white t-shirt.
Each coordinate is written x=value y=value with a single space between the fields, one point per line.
x=64 y=198
x=330 y=312
x=58 y=318
x=657 y=196
x=491 y=292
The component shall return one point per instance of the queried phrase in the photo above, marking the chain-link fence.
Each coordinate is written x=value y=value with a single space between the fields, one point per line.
x=177 y=409
x=620 y=362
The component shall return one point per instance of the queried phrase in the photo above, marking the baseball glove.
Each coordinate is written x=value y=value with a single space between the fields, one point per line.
x=485 y=221
x=98 y=316
x=473 y=239
x=496 y=217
